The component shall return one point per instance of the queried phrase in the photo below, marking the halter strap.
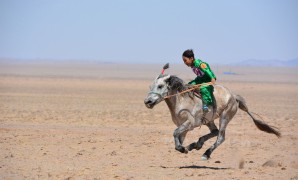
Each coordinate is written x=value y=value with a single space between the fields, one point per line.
x=152 y=92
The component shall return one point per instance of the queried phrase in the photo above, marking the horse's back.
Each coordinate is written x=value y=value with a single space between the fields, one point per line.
x=222 y=96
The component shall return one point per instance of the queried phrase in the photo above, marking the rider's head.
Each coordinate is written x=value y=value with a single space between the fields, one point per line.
x=188 y=57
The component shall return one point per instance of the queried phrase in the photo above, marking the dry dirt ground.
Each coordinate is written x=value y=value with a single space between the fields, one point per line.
x=88 y=121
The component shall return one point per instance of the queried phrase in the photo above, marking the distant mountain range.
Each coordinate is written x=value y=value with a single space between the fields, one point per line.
x=255 y=62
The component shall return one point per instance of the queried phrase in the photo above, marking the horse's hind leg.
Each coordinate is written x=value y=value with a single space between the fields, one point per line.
x=198 y=145
x=225 y=118
x=220 y=139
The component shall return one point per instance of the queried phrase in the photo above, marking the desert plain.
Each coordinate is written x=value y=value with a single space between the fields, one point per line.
x=74 y=120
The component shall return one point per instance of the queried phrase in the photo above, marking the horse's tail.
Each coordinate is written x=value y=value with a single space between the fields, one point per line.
x=260 y=124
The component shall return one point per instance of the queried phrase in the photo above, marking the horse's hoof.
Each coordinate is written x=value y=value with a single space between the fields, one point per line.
x=182 y=149
x=204 y=158
x=191 y=146
x=185 y=151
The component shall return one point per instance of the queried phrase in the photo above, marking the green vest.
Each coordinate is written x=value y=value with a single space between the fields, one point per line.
x=203 y=70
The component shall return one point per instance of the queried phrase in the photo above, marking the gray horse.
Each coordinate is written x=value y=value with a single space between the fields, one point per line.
x=186 y=112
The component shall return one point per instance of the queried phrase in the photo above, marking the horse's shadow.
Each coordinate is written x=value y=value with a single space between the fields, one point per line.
x=202 y=167
x=197 y=167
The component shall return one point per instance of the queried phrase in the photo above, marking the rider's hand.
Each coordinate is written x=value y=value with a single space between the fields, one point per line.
x=213 y=81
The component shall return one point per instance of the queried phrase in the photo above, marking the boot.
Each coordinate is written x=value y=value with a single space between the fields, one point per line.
x=205 y=108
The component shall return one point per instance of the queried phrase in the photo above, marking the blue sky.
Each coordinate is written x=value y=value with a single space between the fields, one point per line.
x=152 y=31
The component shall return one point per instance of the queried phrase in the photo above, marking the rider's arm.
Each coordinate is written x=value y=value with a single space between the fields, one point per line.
x=205 y=68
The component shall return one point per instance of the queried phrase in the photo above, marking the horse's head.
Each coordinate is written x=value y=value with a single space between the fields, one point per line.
x=161 y=87
x=158 y=90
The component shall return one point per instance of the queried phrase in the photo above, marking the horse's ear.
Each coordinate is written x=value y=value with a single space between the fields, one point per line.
x=167 y=78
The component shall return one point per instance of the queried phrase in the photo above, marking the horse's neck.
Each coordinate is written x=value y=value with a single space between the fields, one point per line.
x=172 y=103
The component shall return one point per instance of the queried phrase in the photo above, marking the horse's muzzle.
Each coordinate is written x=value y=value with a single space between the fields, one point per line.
x=149 y=103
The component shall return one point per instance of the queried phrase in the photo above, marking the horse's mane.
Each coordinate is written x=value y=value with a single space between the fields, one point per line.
x=175 y=83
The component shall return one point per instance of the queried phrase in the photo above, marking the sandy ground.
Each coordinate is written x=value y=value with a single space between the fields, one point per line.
x=88 y=121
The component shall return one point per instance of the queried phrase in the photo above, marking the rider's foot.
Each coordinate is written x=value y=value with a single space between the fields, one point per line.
x=205 y=108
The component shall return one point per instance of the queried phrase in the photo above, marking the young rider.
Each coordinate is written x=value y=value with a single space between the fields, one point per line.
x=204 y=75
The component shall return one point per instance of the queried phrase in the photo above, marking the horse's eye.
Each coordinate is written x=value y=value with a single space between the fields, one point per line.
x=160 y=86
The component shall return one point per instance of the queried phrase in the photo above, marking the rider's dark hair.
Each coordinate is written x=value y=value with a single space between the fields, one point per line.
x=188 y=53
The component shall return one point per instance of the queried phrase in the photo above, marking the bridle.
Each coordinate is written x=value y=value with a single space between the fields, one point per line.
x=159 y=95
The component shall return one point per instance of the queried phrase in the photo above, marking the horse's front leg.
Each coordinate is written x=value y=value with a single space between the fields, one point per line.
x=179 y=135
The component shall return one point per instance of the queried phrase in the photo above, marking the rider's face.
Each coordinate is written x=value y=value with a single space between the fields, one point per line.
x=187 y=61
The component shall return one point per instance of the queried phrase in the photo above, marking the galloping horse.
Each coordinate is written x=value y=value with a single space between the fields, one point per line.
x=187 y=114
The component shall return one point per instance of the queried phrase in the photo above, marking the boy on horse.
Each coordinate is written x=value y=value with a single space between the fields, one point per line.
x=204 y=75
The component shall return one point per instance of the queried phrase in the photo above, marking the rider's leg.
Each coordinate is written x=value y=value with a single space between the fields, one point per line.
x=206 y=97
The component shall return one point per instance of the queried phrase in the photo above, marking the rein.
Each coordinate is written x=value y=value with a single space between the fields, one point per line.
x=188 y=90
